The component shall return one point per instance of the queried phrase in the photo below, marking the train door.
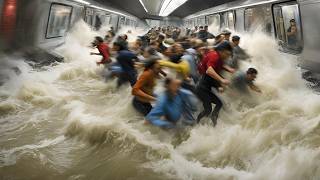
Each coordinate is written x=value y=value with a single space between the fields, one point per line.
x=227 y=20
x=59 y=20
x=288 y=26
x=259 y=18
x=231 y=20
x=114 y=21
x=223 y=21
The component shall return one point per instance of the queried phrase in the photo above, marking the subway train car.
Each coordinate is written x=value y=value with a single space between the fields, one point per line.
x=35 y=27
x=275 y=18
x=97 y=17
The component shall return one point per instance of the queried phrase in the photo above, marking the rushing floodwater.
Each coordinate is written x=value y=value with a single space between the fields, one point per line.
x=65 y=122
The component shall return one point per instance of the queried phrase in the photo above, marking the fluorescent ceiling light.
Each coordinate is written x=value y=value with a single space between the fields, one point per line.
x=82 y=1
x=104 y=9
x=144 y=7
x=169 y=6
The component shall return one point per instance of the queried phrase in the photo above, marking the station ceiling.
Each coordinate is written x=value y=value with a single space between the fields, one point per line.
x=134 y=7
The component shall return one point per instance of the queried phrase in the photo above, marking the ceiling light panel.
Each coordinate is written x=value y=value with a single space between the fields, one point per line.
x=169 y=6
x=144 y=7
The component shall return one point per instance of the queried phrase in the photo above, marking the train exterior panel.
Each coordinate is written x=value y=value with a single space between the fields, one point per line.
x=310 y=18
x=31 y=26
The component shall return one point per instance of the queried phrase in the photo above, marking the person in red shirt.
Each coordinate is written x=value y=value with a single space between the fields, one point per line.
x=103 y=50
x=210 y=67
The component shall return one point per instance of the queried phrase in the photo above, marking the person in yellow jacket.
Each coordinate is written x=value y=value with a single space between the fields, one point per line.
x=182 y=67
x=175 y=52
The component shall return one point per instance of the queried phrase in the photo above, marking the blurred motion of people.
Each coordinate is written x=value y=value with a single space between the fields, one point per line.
x=211 y=66
x=103 y=49
x=144 y=87
x=237 y=53
x=126 y=59
x=172 y=105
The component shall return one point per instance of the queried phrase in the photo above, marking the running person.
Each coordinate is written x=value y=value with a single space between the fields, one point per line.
x=244 y=80
x=126 y=60
x=211 y=67
x=174 y=103
x=144 y=87
x=103 y=50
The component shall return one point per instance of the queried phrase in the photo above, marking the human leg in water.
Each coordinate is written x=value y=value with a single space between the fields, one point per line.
x=215 y=114
x=127 y=77
x=204 y=97
x=207 y=109
x=142 y=107
x=121 y=80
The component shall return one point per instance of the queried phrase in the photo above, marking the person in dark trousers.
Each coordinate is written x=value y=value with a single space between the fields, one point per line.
x=103 y=50
x=211 y=66
x=143 y=90
x=126 y=59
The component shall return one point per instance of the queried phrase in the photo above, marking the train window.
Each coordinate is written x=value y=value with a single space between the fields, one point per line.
x=122 y=21
x=89 y=19
x=258 y=18
x=59 y=20
x=223 y=21
x=231 y=20
x=193 y=22
x=201 y=21
x=127 y=22
x=288 y=27
x=214 y=19
x=89 y=16
x=105 y=19
x=98 y=23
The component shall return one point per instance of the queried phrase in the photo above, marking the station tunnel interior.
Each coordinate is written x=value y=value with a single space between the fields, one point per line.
x=159 y=89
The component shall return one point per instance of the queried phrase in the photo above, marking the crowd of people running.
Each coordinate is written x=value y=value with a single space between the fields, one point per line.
x=196 y=63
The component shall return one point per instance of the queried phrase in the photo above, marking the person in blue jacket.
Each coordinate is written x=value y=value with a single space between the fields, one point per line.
x=174 y=103
x=126 y=60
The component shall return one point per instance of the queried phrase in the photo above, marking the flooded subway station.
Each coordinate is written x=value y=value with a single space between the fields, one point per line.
x=159 y=90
